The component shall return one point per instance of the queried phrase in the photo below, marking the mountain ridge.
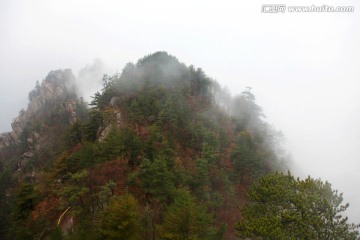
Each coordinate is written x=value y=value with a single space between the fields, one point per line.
x=163 y=132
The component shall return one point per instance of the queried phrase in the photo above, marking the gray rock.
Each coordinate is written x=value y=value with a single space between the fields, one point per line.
x=28 y=154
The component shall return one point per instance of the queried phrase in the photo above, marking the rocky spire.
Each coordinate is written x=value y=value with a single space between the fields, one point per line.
x=56 y=94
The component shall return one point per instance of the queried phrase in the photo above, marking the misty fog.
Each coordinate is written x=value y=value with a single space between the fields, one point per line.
x=304 y=68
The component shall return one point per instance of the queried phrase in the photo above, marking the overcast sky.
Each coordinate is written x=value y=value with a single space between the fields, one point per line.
x=304 y=68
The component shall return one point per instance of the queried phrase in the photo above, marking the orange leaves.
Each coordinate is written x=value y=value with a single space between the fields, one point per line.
x=112 y=170
x=46 y=209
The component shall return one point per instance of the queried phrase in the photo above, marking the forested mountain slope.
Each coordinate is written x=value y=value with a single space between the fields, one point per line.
x=162 y=152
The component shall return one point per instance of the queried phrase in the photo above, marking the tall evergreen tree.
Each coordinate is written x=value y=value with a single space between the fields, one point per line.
x=120 y=221
x=282 y=207
x=185 y=220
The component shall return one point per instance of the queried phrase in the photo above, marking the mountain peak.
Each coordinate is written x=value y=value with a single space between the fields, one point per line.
x=52 y=99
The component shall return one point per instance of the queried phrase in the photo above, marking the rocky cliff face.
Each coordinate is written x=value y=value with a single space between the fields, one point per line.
x=52 y=101
x=7 y=140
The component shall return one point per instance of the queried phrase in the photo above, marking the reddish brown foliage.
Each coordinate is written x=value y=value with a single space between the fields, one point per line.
x=114 y=170
x=46 y=209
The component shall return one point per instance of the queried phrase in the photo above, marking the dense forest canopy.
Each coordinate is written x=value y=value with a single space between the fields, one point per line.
x=162 y=152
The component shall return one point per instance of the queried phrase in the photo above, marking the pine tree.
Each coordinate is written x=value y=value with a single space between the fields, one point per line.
x=185 y=220
x=282 y=207
x=120 y=221
x=157 y=179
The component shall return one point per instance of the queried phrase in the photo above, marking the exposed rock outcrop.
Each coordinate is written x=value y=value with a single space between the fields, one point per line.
x=53 y=99
x=7 y=140
x=117 y=118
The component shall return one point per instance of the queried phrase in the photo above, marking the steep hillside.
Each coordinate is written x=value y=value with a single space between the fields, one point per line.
x=52 y=108
x=162 y=153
